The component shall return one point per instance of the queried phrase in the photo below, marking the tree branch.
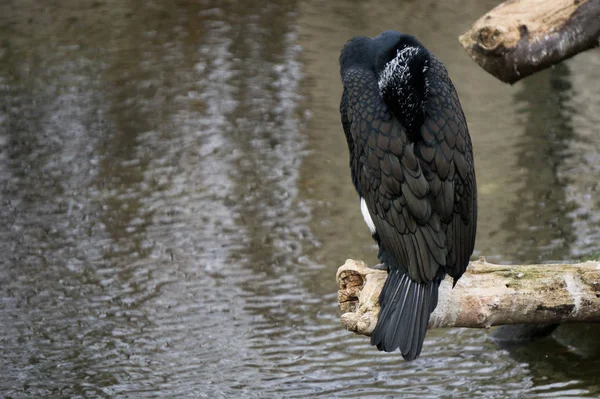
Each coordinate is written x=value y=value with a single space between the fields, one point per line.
x=486 y=295
x=521 y=37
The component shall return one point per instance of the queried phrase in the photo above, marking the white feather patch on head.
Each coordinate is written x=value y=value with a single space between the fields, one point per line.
x=366 y=215
x=397 y=66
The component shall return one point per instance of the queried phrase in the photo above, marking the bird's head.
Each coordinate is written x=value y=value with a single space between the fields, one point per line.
x=401 y=67
x=399 y=62
x=389 y=44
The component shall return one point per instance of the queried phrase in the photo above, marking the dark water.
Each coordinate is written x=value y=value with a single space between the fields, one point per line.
x=175 y=200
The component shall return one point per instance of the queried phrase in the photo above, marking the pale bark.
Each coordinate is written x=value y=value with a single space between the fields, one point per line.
x=486 y=295
x=521 y=37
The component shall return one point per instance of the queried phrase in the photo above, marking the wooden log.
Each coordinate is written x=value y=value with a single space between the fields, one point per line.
x=486 y=295
x=521 y=37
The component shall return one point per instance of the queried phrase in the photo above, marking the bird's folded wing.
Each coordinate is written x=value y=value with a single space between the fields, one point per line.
x=446 y=158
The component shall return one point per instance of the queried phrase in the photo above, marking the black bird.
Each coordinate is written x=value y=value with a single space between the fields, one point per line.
x=411 y=160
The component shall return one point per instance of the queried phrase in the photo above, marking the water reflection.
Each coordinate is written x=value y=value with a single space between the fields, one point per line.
x=175 y=199
x=539 y=226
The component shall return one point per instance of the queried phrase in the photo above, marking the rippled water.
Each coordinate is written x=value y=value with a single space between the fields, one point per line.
x=176 y=200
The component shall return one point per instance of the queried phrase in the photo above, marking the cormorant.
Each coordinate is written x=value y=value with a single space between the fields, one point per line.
x=411 y=161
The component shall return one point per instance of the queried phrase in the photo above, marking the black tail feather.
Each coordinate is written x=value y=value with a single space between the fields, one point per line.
x=405 y=310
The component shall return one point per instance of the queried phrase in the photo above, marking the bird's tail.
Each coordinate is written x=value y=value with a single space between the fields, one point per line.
x=405 y=309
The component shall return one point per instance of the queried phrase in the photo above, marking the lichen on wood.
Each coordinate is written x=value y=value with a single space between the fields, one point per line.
x=486 y=295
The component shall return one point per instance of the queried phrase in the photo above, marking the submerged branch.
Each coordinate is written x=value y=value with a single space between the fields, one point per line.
x=486 y=295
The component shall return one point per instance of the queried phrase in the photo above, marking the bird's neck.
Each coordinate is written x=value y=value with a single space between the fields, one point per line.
x=403 y=86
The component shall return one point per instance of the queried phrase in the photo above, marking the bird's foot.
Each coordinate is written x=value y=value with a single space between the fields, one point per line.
x=379 y=266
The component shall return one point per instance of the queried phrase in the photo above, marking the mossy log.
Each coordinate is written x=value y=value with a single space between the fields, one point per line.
x=520 y=37
x=486 y=295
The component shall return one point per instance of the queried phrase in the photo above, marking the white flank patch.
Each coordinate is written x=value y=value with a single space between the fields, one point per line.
x=367 y=215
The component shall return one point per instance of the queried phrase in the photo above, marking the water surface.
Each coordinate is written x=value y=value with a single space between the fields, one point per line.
x=176 y=200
